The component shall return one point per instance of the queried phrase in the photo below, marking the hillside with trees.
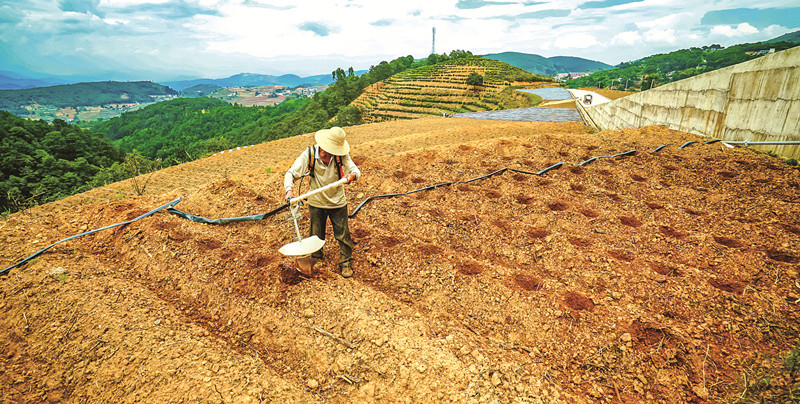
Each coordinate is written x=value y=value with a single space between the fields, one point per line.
x=660 y=69
x=332 y=106
x=466 y=84
x=98 y=93
x=548 y=66
x=42 y=162
x=185 y=129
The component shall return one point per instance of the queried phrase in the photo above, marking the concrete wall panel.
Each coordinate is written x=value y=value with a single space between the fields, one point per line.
x=755 y=100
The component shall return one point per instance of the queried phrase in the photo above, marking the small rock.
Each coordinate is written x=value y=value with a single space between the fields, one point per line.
x=308 y=313
x=576 y=379
x=626 y=337
x=312 y=384
x=496 y=379
x=701 y=391
x=57 y=271
x=157 y=322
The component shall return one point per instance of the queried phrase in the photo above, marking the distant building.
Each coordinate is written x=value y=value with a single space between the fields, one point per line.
x=574 y=75
x=761 y=52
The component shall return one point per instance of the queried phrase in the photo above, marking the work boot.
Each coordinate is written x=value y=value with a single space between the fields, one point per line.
x=347 y=270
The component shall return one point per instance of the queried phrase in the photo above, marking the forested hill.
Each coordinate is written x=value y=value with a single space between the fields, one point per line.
x=85 y=94
x=569 y=64
x=660 y=69
x=537 y=64
x=184 y=129
x=41 y=162
x=793 y=37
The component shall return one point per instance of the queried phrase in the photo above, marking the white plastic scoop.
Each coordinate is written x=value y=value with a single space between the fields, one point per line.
x=305 y=246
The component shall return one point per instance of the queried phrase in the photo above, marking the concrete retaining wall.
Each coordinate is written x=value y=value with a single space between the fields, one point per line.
x=756 y=100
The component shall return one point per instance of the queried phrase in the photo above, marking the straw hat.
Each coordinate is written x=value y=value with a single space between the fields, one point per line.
x=333 y=141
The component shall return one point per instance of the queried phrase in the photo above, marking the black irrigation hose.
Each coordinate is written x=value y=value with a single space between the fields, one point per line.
x=36 y=254
x=493 y=173
x=199 y=219
x=170 y=206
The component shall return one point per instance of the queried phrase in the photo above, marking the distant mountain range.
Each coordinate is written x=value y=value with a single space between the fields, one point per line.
x=251 y=79
x=537 y=64
x=16 y=81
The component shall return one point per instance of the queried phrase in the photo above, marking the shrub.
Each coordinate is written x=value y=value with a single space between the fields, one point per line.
x=474 y=79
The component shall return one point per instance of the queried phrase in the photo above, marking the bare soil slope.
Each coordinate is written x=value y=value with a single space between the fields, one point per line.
x=657 y=277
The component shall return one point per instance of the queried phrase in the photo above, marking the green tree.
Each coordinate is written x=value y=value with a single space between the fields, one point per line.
x=474 y=79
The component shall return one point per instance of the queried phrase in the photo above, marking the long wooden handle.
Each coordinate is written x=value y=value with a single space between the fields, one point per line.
x=318 y=190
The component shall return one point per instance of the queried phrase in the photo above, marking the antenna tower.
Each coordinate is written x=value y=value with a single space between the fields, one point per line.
x=433 y=42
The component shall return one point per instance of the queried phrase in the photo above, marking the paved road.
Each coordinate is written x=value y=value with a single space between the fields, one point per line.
x=597 y=99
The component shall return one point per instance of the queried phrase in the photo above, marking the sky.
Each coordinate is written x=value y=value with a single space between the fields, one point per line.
x=178 y=39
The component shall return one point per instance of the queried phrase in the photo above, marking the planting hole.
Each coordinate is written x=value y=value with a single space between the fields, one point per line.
x=728 y=242
x=630 y=221
x=469 y=268
x=528 y=282
x=577 y=301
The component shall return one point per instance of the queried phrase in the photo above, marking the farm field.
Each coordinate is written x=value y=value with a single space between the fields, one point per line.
x=84 y=113
x=656 y=277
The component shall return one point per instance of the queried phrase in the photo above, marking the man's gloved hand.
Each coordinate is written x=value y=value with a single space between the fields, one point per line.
x=289 y=195
x=350 y=178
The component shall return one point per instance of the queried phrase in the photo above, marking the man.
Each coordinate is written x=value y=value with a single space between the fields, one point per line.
x=327 y=162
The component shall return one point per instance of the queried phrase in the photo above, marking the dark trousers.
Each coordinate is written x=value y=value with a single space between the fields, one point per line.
x=341 y=230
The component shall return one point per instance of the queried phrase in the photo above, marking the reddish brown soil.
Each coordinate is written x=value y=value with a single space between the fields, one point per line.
x=582 y=285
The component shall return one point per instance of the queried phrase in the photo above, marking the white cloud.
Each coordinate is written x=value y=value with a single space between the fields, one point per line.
x=224 y=37
x=576 y=40
x=729 y=31
x=626 y=38
x=662 y=23
x=660 y=35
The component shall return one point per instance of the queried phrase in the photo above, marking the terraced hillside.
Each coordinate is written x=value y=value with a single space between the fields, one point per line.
x=443 y=89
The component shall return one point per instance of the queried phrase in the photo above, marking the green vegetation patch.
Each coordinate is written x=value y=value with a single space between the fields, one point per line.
x=665 y=68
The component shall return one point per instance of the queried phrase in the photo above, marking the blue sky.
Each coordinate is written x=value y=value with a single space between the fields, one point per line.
x=171 y=39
